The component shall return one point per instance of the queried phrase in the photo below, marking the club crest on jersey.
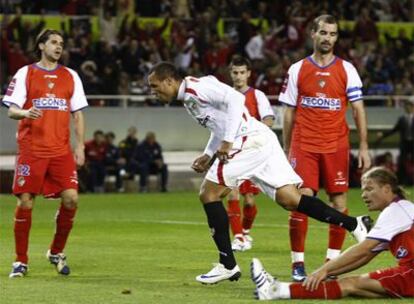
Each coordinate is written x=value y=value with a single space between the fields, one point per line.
x=401 y=252
x=321 y=103
x=321 y=83
x=21 y=181
x=50 y=103
x=50 y=85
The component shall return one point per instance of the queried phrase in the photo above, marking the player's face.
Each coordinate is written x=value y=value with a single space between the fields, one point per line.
x=239 y=75
x=52 y=49
x=374 y=194
x=164 y=90
x=325 y=37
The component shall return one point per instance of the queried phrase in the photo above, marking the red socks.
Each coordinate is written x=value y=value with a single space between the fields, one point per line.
x=249 y=214
x=22 y=224
x=233 y=211
x=64 y=223
x=298 y=228
x=337 y=235
x=326 y=290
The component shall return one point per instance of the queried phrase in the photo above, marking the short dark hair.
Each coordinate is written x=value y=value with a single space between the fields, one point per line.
x=42 y=38
x=239 y=60
x=98 y=132
x=165 y=70
x=324 y=18
x=110 y=134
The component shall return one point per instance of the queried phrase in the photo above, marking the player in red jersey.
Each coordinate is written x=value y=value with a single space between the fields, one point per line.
x=259 y=108
x=315 y=133
x=394 y=231
x=42 y=96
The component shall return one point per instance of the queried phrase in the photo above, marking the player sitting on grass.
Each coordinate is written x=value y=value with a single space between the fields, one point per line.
x=394 y=231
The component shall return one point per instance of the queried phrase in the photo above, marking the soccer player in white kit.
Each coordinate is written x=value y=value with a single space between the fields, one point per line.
x=240 y=148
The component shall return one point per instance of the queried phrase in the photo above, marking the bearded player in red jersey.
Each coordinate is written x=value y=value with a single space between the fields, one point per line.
x=42 y=96
x=316 y=91
x=259 y=107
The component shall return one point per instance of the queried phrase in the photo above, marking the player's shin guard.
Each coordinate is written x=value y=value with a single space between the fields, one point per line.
x=64 y=223
x=233 y=211
x=249 y=214
x=326 y=290
x=22 y=224
x=219 y=224
x=317 y=209
x=336 y=240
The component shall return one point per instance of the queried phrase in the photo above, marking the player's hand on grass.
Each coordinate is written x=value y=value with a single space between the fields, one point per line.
x=224 y=150
x=33 y=113
x=312 y=281
x=201 y=163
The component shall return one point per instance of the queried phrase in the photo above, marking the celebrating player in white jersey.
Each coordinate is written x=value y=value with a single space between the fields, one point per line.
x=245 y=149
x=394 y=231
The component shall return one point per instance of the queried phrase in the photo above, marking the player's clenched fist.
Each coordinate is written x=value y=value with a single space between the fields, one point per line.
x=201 y=163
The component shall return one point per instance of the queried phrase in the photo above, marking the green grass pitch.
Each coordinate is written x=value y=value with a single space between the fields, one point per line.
x=151 y=246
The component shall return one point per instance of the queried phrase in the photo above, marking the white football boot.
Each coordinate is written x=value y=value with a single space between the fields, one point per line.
x=219 y=273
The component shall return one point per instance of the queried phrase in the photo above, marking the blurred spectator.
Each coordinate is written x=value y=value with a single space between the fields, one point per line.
x=149 y=157
x=113 y=161
x=386 y=160
x=405 y=128
x=95 y=152
x=126 y=149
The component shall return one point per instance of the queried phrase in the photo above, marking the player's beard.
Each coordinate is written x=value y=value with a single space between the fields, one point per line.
x=323 y=50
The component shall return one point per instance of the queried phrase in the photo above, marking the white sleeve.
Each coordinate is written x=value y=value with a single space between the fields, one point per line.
x=212 y=145
x=263 y=104
x=392 y=221
x=16 y=91
x=354 y=83
x=78 y=100
x=289 y=92
x=235 y=107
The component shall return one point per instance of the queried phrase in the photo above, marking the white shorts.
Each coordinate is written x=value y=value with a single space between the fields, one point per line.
x=260 y=160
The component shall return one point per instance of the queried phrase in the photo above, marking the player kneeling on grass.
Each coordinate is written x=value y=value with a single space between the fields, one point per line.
x=394 y=231
x=246 y=149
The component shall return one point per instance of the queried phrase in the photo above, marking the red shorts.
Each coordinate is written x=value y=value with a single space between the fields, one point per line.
x=331 y=168
x=397 y=281
x=248 y=187
x=47 y=176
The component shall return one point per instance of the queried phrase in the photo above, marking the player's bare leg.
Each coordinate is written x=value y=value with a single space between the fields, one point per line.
x=22 y=225
x=211 y=195
x=64 y=223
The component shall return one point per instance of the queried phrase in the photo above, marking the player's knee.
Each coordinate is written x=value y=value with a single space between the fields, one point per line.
x=288 y=197
x=349 y=286
x=25 y=201
x=70 y=200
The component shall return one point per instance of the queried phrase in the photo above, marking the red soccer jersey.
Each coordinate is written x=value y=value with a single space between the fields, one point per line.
x=258 y=104
x=320 y=95
x=57 y=93
x=395 y=229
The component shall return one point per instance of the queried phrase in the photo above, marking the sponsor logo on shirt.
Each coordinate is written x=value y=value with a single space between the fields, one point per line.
x=321 y=103
x=50 y=103
x=401 y=252
x=322 y=73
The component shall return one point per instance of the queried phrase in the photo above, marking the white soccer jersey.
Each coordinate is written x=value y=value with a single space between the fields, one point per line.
x=220 y=108
x=387 y=226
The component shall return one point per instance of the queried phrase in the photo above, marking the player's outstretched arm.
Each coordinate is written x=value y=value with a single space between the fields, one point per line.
x=17 y=113
x=353 y=258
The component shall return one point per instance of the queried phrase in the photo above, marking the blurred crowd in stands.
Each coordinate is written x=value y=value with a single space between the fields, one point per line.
x=117 y=62
x=129 y=160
